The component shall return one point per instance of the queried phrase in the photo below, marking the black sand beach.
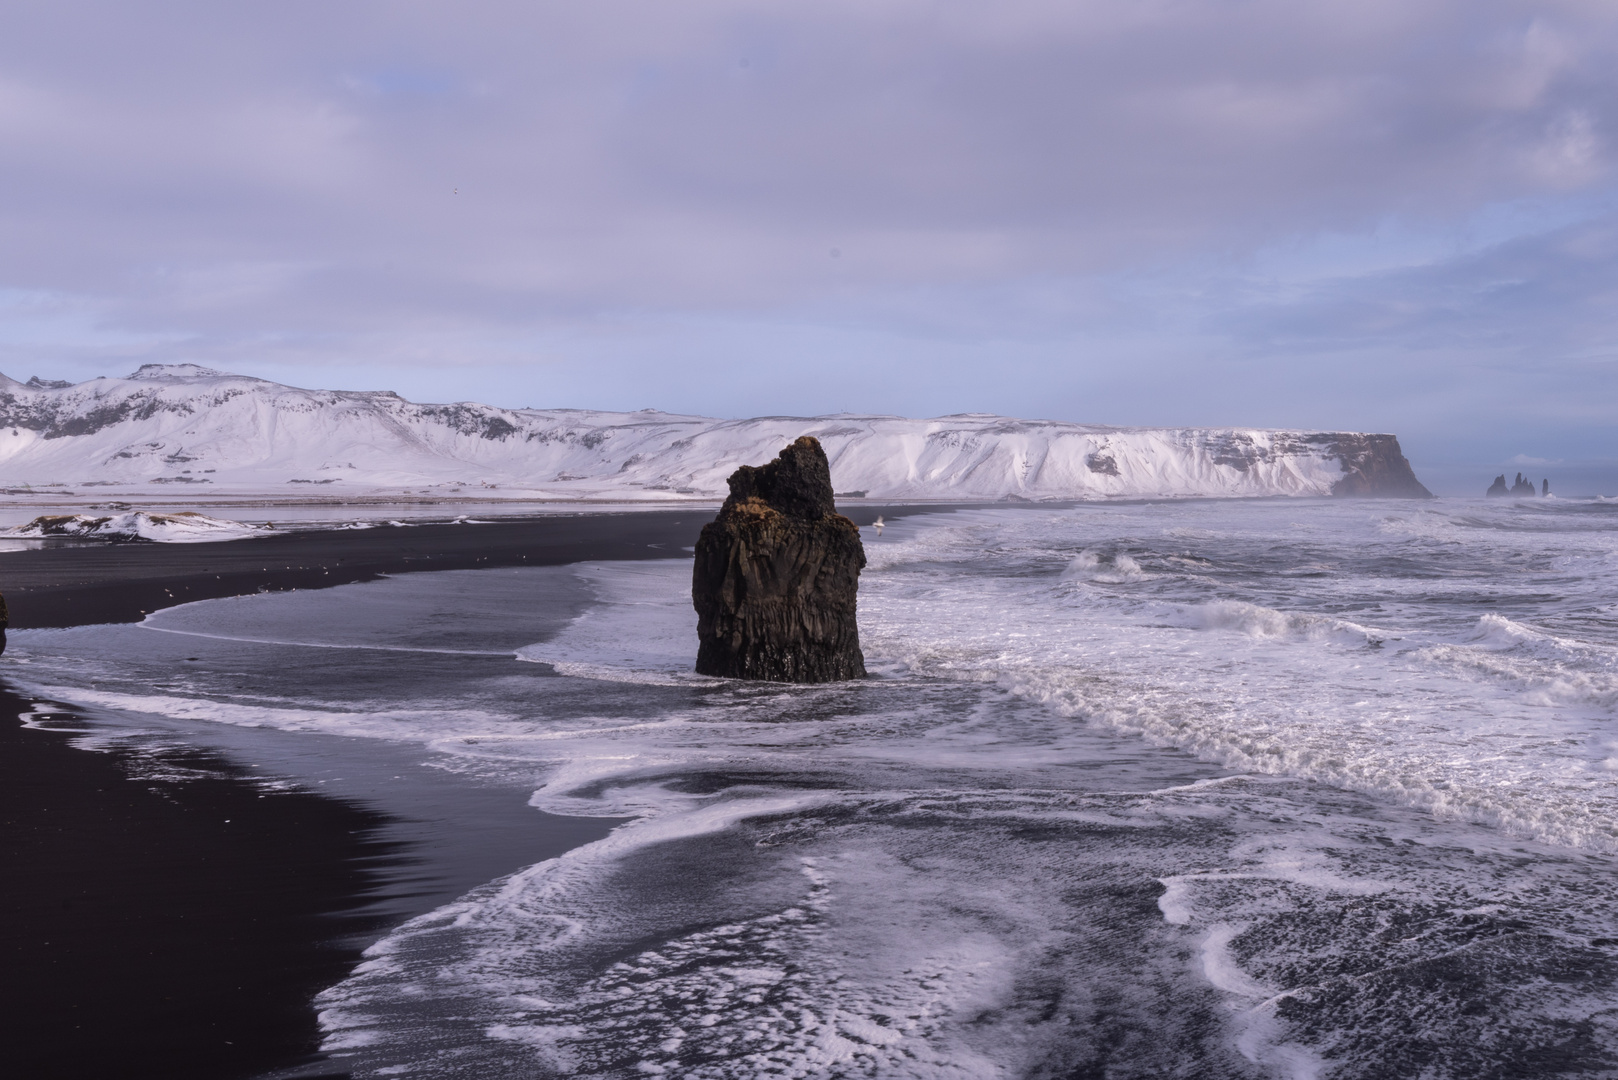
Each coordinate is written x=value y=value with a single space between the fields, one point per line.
x=180 y=926
x=76 y=583
x=171 y=929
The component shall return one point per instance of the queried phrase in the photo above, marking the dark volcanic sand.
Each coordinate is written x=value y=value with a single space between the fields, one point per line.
x=167 y=929
x=181 y=928
x=95 y=582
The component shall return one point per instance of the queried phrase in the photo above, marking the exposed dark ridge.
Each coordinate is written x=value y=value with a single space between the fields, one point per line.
x=56 y=420
x=1373 y=466
x=478 y=420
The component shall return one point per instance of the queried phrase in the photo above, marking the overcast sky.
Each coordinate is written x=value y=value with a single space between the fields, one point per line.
x=1389 y=215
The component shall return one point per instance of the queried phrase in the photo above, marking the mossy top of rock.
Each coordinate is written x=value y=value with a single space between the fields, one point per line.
x=797 y=483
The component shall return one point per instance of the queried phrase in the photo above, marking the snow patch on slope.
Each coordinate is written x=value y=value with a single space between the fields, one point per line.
x=182 y=528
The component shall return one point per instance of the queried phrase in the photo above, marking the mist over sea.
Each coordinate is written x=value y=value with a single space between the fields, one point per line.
x=1222 y=788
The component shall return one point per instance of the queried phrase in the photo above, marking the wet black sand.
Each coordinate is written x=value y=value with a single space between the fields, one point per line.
x=168 y=928
x=178 y=924
x=76 y=583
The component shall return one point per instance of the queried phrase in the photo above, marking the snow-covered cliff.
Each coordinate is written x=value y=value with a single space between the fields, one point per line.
x=200 y=431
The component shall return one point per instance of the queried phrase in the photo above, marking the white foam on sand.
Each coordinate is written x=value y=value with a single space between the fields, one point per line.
x=971 y=865
x=640 y=629
x=1489 y=720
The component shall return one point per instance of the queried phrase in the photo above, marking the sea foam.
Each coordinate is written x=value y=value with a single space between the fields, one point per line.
x=1394 y=844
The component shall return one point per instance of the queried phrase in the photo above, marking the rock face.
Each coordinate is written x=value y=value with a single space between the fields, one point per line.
x=776 y=576
x=1374 y=466
x=1522 y=488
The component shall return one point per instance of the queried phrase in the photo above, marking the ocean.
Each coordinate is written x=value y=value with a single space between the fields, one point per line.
x=1205 y=788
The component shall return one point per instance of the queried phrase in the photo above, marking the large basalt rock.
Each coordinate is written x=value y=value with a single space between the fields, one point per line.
x=776 y=576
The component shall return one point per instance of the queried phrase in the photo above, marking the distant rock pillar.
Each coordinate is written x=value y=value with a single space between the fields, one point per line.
x=777 y=574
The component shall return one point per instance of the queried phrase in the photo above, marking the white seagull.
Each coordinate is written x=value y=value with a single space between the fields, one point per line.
x=878 y=525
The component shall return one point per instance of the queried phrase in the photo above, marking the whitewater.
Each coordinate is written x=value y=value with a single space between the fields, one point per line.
x=1232 y=788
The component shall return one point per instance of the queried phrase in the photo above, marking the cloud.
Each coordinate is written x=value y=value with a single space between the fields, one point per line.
x=1546 y=294
x=576 y=192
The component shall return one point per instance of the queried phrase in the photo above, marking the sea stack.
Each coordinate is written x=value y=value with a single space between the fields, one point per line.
x=777 y=574
x=1523 y=487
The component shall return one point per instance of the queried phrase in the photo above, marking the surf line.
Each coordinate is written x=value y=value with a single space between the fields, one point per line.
x=325 y=645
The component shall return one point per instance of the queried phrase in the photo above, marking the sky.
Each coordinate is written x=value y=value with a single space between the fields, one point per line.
x=1382 y=216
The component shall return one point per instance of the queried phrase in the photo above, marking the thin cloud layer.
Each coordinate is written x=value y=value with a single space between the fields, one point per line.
x=570 y=194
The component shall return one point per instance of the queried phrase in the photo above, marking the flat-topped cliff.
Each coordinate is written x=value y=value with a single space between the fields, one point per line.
x=180 y=431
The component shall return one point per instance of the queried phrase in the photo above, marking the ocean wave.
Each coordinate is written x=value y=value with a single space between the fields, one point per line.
x=1498 y=724
x=1500 y=634
x=1335 y=747
x=1093 y=565
x=1546 y=669
x=836 y=934
x=1012 y=895
x=1377 y=722
x=1262 y=622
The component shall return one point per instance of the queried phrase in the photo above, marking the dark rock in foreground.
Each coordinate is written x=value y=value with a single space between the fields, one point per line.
x=776 y=576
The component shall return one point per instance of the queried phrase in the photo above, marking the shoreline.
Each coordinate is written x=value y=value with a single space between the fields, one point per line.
x=76 y=583
x=182 y=923
x=170 y=927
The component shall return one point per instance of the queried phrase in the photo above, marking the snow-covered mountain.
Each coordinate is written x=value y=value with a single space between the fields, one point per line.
x=201 y=432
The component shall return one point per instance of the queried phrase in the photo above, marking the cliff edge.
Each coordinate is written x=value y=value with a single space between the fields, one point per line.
x=1373 y=467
